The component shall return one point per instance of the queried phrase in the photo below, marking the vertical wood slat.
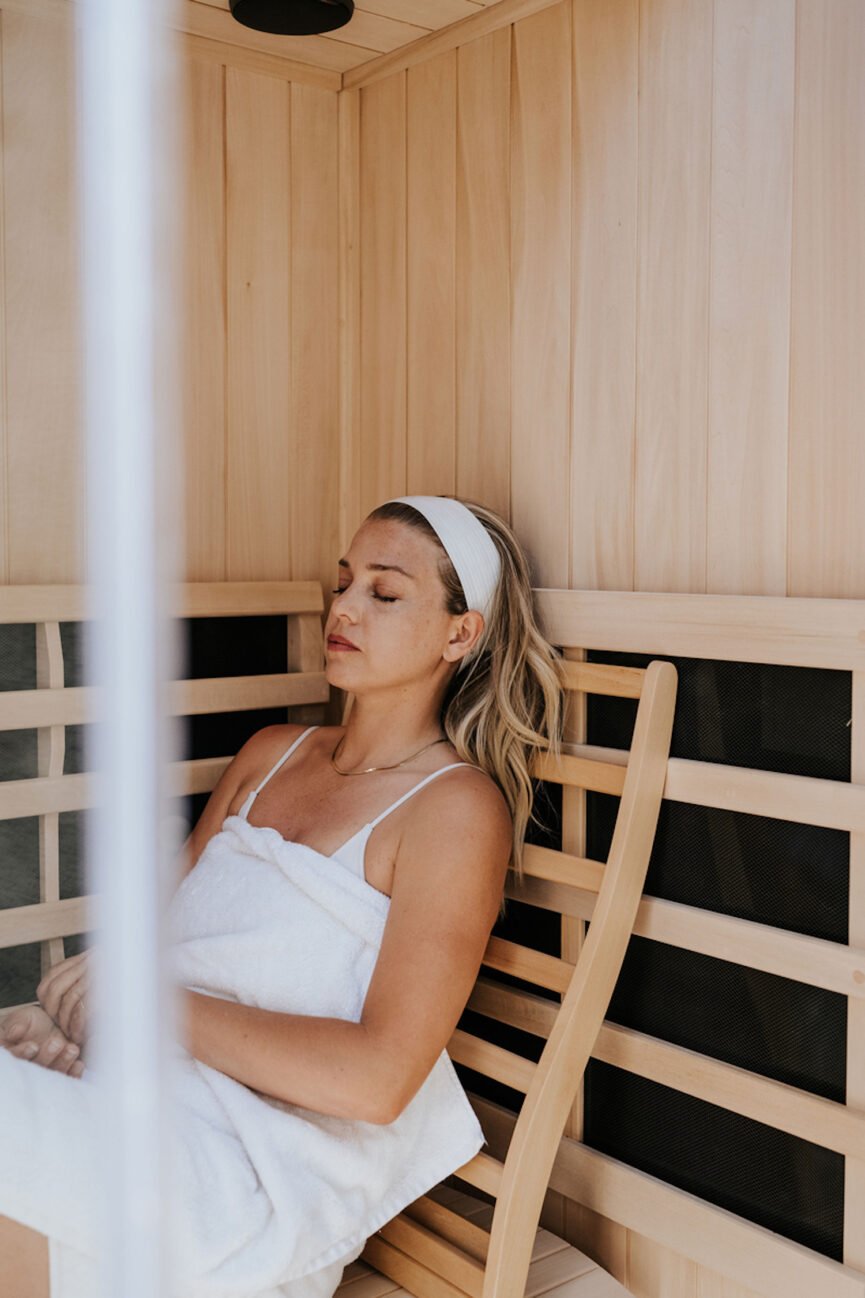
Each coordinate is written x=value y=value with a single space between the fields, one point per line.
x=675 y=84
x=349 y=315
x=826 y=461
x=540 y=274
x=431 y=362
x=313 y=428
x=259 y=239
x=483 y=307
x=51 y=749
x=749 y=326
x=604 y=273
x=204 y=337
x=305 y=654
x=382 y=464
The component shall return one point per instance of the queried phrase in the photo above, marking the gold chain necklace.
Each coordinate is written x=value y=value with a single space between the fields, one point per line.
x=368 y=769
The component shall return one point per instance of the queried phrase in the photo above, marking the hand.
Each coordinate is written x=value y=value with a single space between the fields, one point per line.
x=62 y=993
x=30 y=1033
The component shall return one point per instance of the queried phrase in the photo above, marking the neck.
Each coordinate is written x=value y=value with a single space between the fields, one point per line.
x=379 y=732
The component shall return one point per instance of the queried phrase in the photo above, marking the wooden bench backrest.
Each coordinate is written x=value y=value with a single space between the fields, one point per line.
x=430 y=1249
x=51 y=707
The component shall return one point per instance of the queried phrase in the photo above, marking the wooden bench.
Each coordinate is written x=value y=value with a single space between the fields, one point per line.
x=450 y=1243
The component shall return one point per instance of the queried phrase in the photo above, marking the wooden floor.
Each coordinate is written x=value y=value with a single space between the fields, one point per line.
x=558 y=1270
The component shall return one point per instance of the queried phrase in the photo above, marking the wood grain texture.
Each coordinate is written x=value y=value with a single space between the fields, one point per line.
x=675 y=79
x=431 y=107
x=604 y=288
x=349 y=317
x=483 y=299
x=204 y=324
x=382 y=440
x=541 y=150
x=313 y=425
x=826 y=533
x=44 y=481
x=258 y=249
x=749 y=321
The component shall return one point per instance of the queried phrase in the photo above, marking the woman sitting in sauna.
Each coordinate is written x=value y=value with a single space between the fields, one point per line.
x=324 y=966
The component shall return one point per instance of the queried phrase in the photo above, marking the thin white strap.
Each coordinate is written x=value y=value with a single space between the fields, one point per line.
x=419 y=785
x=285 y=755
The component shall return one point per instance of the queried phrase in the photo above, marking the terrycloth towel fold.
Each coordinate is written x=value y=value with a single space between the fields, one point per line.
x=268 y=1192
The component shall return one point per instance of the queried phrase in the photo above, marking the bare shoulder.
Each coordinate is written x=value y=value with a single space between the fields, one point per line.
x=459 y=833
x=264 y=748
x=245 y=770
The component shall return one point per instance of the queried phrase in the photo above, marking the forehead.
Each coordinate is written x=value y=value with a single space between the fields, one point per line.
x=386 y=541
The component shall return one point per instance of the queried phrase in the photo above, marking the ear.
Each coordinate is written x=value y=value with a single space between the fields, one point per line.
x=465 y=634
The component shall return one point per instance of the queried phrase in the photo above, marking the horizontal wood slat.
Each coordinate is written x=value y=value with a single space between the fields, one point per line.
x=802 y=799
x=483 y=1172
x=582 y=772
x=741 y=941
x=775 y=1104
x=491 y=1060
x=27 y=604
x=405 y=1270
x=799 y=632
x=439 y=1255
x=451 y=1225
x=562 y=867
x=78 y=705
x=43 y=920
x=530 y=965
x=37 y=797
x=603 y=678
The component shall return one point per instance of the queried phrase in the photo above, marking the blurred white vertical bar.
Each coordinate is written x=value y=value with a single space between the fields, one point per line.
x=128 y=182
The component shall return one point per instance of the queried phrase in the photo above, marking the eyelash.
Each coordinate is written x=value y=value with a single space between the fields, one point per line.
x=386 y=599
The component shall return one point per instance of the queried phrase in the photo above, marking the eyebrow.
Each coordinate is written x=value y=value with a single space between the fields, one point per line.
x=379 y=567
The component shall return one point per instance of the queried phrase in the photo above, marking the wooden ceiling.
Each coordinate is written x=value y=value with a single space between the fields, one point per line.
x=376 y=39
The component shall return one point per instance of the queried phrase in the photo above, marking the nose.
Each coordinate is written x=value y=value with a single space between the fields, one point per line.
x=341 y=608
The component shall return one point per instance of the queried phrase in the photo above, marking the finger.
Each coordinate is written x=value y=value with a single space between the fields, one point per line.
x=77 y=1030
x=14 y=1031
x=51 y=1049
x=24 y=1050
x=65 y=1059
x=77 y=1068
x=58 y=980
x=52 y=990
x=70 y=1006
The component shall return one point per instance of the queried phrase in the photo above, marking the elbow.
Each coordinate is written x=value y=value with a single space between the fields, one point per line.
x=384 y=1109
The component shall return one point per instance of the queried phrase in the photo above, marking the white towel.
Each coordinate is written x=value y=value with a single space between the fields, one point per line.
x=268 y=1192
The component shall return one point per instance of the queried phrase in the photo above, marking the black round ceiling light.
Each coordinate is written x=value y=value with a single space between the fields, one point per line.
x=292 y=17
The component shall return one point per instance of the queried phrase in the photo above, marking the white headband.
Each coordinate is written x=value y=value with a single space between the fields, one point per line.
x=471 y=549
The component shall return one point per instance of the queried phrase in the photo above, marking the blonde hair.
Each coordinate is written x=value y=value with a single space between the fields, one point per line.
x=505 y=699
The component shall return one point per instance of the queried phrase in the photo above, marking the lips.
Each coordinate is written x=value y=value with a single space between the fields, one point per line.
x=340 y=641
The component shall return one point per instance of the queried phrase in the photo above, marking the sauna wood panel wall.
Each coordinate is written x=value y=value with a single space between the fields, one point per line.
x=257 y=227
x=635 y=228
x=41 y=501
x=628 y=304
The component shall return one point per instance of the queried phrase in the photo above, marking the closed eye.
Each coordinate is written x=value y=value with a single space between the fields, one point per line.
x=386 y=599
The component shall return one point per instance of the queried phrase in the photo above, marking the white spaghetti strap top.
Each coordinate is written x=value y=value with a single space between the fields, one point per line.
x=244 y=810
x=351 y=852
